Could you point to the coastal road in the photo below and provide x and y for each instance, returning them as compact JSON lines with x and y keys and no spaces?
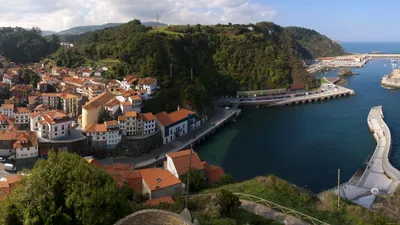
{"x":176,"y":145}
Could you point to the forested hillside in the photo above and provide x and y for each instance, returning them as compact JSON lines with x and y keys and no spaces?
{"x":224,"y":58}
{"x":314,"y":44}
{"x":23,"y":46}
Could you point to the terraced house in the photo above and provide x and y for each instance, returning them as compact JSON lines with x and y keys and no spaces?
{"x":23,"y":144}
{"x":103,"y":135}
{"x":176,"y":124}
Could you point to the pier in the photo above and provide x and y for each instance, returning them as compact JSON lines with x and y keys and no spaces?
{"x":378,"y":176}
{"x":288,"y":99}
{"x":392,"y":80}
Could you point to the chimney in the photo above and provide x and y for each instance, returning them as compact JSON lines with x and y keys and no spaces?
{"x":179,"y":107}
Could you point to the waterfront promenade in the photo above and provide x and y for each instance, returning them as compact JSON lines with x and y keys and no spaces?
{"x":330,"y":92}
{"x":157,"y":156}
{"x":379,"y":174}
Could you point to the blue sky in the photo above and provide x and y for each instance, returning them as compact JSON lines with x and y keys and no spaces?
{"x":344,"y":20}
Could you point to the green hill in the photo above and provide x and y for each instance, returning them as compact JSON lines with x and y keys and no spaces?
{"x":224,"y":58}
{"x":22,"y":46}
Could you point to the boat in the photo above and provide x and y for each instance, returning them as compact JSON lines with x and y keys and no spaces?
{"x":258,"y":106}
{"x":385,"y":65}
{"x":326,"y":72}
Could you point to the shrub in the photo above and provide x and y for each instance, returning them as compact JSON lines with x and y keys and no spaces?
{"x":228,"y":201}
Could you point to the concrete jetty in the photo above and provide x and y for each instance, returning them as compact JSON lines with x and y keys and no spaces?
{"x":379,"y":176}
{"x":392,"y":80}
{"x":333,"y":92}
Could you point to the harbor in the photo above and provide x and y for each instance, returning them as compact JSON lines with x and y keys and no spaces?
{"x":379,"y":176}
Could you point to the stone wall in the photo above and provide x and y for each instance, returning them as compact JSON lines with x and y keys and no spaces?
{"x":137,"y":147}
{"x":153,"y":217}
{"x":80,"y":147}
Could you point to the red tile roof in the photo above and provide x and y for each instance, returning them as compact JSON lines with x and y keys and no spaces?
{"x":156,"y":178}
{"x":147,"y":116}
{"x":167,"y":119}
{"x":181,"y":161}
{"x":212,"y":173}
{"x":157,"y":201}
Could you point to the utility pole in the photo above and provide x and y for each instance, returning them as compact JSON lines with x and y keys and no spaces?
{"x":170,"y":70}
{"x":338,"y":196}
{"x":188,"y":175}
{"x":158,"y":19}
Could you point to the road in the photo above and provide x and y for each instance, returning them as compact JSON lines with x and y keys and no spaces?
{"x":325,"y":91}
{"x":176,"y":145}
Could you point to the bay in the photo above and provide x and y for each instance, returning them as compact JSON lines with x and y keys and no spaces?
{"x":306,"y":144}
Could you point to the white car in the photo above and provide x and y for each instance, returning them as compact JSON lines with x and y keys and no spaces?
{"x":10,"y":167}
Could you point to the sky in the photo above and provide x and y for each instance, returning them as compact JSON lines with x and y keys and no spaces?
{"x":344,"y":20}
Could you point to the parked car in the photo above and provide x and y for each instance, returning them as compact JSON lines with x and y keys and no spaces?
{"x":10,"y":167}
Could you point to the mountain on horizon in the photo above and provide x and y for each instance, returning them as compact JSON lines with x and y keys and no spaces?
{"x":83,"y":29}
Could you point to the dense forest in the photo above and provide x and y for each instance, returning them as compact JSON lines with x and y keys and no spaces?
{"x":224,"y":58}
{"x":23,"y":46}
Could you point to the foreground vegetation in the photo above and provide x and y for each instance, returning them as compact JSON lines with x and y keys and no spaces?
{"x":224,"y":58}
{"x":279,"y":191}
{"x":65,"y":190}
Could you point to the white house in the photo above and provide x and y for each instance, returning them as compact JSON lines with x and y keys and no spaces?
{"x":54,"y":125}
{"x":133,"y":124}
{"x":149,"y":123}
{"x":26,"y":145}
{"x":129,"y":82}
{"x":8,"y":110}
{"x":21,"y":116}
{"x":5,"y":122}
{"x":176,"y":124}
{"x":177,"y":162}
{"x":23,"y":144}
{"x":148,"y":84}
{"x":106,"y":133}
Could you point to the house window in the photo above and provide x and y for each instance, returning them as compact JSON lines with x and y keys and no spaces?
{"x":55,"y":128}
{"x":62,"y":127}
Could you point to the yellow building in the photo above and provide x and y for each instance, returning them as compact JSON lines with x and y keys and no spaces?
{"x":93,"y":111}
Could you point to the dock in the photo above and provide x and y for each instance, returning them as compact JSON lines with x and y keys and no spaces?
{"x":288,"y":99}
{"x":392,"y":80}
{"x":378,"y":176}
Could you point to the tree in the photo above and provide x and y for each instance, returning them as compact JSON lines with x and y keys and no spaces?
{"x":65,"y":189}
{"x":197,"y":181}
{"x":226,"y":179}
{"x":228,"y":201}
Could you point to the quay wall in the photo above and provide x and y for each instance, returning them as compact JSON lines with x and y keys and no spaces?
{"x":387,"y":167}
{"x":386,"y":81}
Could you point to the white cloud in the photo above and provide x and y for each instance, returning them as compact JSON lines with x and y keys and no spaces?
{"x":63,"y":14}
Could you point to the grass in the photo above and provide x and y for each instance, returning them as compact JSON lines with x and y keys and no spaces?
{"x":107,"y":62}
{"x":164,"y":30}
{"x":302,"y":200}
{"x":324,"y":80}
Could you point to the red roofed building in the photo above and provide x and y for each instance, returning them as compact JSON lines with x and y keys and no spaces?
{"x":121,"y":173}
{"x":53,"y":125}
{"x":178,"y":162}
{"x":160,"y":183}
{"x":148,"y":84}
{"x":176,"y":124}
{"x":212,"y":173}
{"x":297,"y":87}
